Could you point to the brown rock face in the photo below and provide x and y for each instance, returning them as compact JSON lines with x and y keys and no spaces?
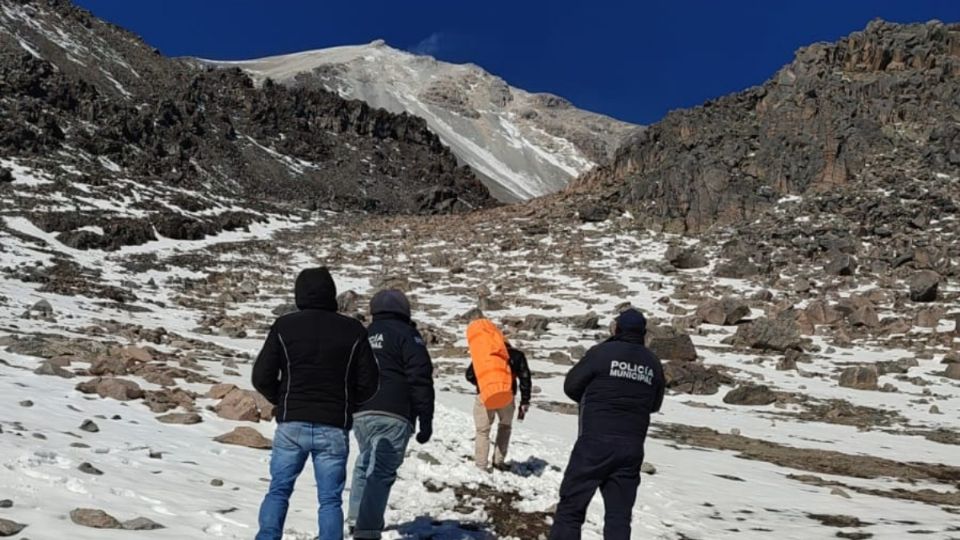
{"x":725,"y":312}
{"x":110,"y":387}
{"x":769,"y":334}
{"x":813,"y":127}
{"x":694,"y":378}
{"x":924,"y":286}
{"x":952,"y":371}
{"x":749,"y":394}
{"x":245,"y":436}
{"x":669,"y":344}
{"x":10,"y":528}
{"x":220,"y":390}
{"x":859,"y":377}
{"x":239,"y":405}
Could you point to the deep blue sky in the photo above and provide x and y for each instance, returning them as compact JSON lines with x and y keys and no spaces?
{"x":633,"y":60}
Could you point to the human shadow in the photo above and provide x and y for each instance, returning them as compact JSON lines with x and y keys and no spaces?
{"x":429,"y":528}
{"x":533,"y":466}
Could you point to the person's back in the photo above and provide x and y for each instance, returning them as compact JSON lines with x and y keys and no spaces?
{"x":383,"y":426}
{"x":520,"y":381}
{"x":617,"y":388}
{"x":316,"y":367}
{"x":618,"y":384}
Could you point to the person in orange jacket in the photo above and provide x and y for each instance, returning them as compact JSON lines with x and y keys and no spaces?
{"x":484,"y":418}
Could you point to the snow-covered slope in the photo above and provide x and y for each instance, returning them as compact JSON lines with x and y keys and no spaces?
{"x":524,"y":145}
{"x":199,"y":310}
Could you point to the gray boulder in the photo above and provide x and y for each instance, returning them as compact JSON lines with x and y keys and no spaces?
{"x":924,"y":286}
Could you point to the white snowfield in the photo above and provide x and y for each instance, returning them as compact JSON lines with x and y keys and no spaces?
{"x":523,"y":145}
{"x":695,"y":493}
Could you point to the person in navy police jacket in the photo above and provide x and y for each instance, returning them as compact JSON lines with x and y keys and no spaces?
{"x":617,"y":384}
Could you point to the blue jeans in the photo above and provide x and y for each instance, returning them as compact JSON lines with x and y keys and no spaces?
{"x":293,"y":442}
{"x":383,"y":445}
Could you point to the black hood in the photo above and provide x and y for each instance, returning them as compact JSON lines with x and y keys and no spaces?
{"x":315,"y":289}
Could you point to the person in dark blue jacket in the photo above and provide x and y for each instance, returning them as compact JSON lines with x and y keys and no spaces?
{"x":618,"y":384}
{"x":384,"y":425}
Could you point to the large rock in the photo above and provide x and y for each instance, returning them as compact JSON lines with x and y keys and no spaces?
{"x":685,"y":258}
{"x":694,"y":378}
{"x":348,"y":301}
{"x":111,"y":387}
{"x":768,"y":334}
{"x":952,"y":371}
{"x":750,"y":394}
{"x":245,"y":436}
{"x":239,"y":405}
{"x":97,"y":519}
{"x":10,"y":528}
{"x":180,"y":418}
{"x":141,"y":524}
{"x":536,"y":323}
{"x":737,"y":268}
{"x":860,"y":377}
{"x":819,"y":312}
{"x":841,"y":265}
{"x":136,"y":354}
{"x":110,"y":365}
{"x":50,"y":368}
{"x":924,"y":286}
{"x":864,"y":316}
{"x":669,"y":344}
{"x":593,"y":213}
{"x":220,"y":390}
{"x":725,"y":312}
{"x":588,"y":321}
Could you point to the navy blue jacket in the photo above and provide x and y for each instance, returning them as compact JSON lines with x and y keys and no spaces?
{"x":618,"y":384}
{"x":406,"y":372}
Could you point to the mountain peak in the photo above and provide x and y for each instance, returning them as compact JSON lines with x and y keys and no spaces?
{"x":523,"y":145}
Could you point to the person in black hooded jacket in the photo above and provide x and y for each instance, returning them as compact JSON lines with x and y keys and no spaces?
{"x":618,"y":385}
{"x":383,"y":426}
{"x":316,"y":367}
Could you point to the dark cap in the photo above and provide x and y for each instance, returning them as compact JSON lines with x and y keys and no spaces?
{"x":390,"y":301}
{"x":632,"y":321}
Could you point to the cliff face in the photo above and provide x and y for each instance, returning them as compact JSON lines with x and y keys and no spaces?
{"x":80,"y":95}
{"x":817,"y":124}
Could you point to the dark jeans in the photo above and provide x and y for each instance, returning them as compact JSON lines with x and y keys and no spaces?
{"x":611,"y":465}
{"x":383,"y":444}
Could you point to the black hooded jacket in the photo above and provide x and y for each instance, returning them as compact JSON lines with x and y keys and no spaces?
{"x":618,"y":384}
{"x":406,"y":372}
{"x":316,"y":365}
{"x":522,"y":379}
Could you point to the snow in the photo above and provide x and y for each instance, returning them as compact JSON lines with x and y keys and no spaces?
{"x":24,"y":175}
{"x":693,"y":494}
{"x":511,"y":149}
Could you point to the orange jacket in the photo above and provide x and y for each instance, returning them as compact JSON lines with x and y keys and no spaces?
{"x":491,"y":363}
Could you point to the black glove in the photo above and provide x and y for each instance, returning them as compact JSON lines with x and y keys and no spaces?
{"x":426,"y":431}
{"x":522,"y":411}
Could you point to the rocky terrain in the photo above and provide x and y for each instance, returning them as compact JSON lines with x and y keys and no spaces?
{"x":100,"y":117}
{"x":821,"y":421}
{"x":835,"y":118}
{"x":809,"y":331}
{"x":522,"y":144}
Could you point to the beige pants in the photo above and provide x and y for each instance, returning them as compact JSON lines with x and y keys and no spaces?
{"x":484,"y":420}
